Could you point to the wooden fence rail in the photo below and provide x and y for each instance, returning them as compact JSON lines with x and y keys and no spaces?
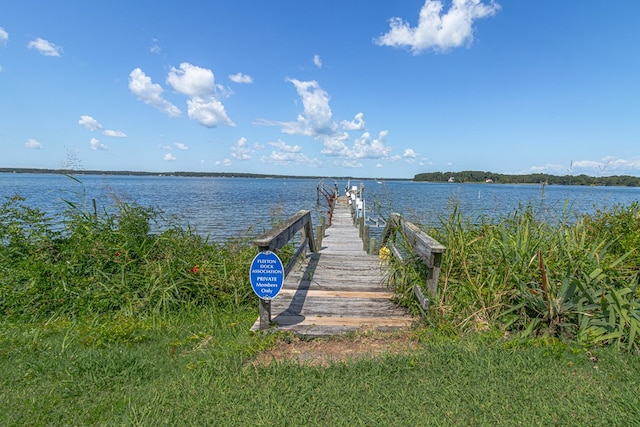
{"x":285,"y":232}
{"x":419,"y":243}
{"x":278,"y":237}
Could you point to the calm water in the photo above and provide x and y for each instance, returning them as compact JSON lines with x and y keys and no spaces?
{"x":224,"y":207}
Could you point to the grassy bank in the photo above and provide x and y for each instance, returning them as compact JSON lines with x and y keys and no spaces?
{"x":105,"y":323}
{"x":195,"y":369}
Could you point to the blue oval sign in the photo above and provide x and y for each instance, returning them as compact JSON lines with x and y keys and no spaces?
{"x":266,"y":275}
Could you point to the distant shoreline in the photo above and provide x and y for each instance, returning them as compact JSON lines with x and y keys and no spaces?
{"x":182,"y":173}
{"x":476,"y":177}
{"x":464,"y":177}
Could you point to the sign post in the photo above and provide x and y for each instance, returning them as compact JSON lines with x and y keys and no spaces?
{"x":267,"y":277}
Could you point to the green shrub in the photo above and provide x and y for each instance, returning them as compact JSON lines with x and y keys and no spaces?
{"x":107,"y":263}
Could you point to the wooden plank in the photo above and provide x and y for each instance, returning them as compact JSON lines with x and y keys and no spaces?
{"x":344,"y":321}
{"x":340,"y":293}
{"x":336,"y":306}
{"x":339,"y":289}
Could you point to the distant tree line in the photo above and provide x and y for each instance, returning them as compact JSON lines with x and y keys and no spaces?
{"x":143,"y":173}
{"x":535,"y":178}
{"x":177,"y":173}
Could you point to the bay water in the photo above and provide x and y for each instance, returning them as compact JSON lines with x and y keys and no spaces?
{"x":223,"y":207}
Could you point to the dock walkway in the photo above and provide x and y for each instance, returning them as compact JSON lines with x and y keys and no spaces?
{"x":338,"y":289}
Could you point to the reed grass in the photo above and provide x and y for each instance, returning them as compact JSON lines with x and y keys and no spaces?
{"x":518,"y":274}
{"x":111,"y":263}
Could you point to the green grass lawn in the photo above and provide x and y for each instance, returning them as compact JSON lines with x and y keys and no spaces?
{"x":195,"y":369}
{"x":153,"y":329}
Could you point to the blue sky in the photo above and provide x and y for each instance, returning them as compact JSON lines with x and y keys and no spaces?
{"x":364,"y":88}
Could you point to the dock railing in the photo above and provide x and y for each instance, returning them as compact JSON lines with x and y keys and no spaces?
{"x":285,"y":232}
{"x":404,"y":239}
{"x":330,"y":194}
{"x":276,"y":239}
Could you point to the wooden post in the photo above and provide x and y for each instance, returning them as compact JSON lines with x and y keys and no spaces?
{"x":319,"y":236}
{"x":308,"y":234}
{"x":365,"y":238}
{"x":373,"y":248}
{"x":432,"y":282}
{"x":265,"y":313}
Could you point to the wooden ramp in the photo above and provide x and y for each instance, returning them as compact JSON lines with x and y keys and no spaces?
{"x":337,"y":290}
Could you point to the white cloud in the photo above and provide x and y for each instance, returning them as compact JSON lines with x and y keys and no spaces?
{"x":241,"y":78}
{"x":317,"y":61}
{"x":409,"y":153}
{"x":45,"y":47}
{"x":438,"y":31}
{"x":34,"y":144}
{"x":356,"y":124}
{"x":155,"y":48}
{"x":92,"y":124}
{"x":225,"y":162}
{"x":336,"y":145}
{"x":115,"y":133}
{"x":607,"y":165}
{"x":284,"y":147}
{"x":315,"y":120}
{"x":97,"y":145}
{"x":89,"y":123}
{"x":367,"y":148}
{"x":289,"y":154}
{"x":4,"y":37}
{"x":169,"y":157}
{"x":288,"y":157}
{"x":199,"y":85}
{"x":209,"y":112}
{"x":240,"y":150}
{"x":349,"y":164}
{"x":150,"y":93}
{"x":191,"y":80}
{"x":181,"y":146}
{"x":612,"y":163}
{"x":425,"y":161}
{"x":586,"y":164}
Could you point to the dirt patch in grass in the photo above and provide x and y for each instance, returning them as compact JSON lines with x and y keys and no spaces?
{"x":325,"y":351}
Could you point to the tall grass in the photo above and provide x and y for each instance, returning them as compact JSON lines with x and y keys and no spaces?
{"x":111,"y":263}
{"x":518,"y":274}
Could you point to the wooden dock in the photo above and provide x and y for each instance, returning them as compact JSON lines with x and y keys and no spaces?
{"x":338,"y":289}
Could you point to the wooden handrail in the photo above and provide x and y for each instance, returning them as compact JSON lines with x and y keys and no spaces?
{"x":282,"y":233}
{"x":426,"y":247}
{"x":330,"y":195}
{"x":278,"y":237}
